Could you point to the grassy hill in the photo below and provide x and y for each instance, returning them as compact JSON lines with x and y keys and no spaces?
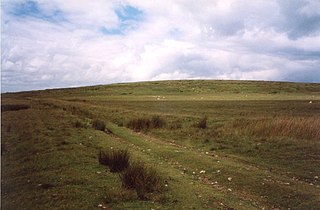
{"x":203,"y":144}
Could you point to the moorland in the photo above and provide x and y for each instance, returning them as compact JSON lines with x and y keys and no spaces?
{"x":189,"y":144}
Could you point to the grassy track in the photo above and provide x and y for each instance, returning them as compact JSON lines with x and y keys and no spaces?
{"x":260,"y":148}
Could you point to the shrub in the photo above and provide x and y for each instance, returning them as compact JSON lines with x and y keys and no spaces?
{"x":202,"y":123}
{"x":117,"y":160}
{"x":99,"y":125}
{"x":142,"y":179}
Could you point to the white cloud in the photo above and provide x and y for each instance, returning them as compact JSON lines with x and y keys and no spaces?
{"x":62,"y":43}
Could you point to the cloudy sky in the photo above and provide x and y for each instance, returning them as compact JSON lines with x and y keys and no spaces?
{"x":67,"y":43}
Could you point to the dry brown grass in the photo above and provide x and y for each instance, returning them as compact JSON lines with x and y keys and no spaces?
{"x":294,"y":127}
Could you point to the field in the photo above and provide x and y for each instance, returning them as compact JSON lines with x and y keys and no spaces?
{"x":204,"y":144}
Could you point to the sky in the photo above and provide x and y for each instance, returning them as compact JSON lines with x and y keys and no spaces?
{"x":70,"y":43}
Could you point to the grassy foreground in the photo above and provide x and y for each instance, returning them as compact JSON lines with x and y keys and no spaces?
{"x":214,"y":144}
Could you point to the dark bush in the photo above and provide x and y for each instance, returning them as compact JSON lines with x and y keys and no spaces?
{"x":98,"y":125}
{"x":202,"y":123}
{"x":142,"y":179}
{"x":116,"y":160}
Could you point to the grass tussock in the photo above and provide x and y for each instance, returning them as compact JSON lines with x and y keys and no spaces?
{"x":139,"y":124}
{"x":116,"y":160}
{"x":142,"y":179}
{"x":202,"y":123}
{"x":99,"y":124}
{"x":294,"y":127}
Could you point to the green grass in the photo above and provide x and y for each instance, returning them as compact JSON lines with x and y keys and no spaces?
{"x":259,"y":148}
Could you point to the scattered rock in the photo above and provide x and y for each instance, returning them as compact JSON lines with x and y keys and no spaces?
{"x":102,"y":206}
{"x":229,"y":179}
{"x":202,"y":172}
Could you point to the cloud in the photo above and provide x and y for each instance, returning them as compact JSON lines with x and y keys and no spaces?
{"x":59,"y":43}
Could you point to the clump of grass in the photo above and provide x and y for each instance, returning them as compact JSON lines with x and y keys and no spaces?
{"x":139,"y":124}
{"x":175,"y":125}
{"x":99,"y":125}
{"x":142,"y":179}
{"x":295,"y":127}
{"x":79,"y":124}
{"x":202,"y":123}
{"x":158,"y":122}
{"x":116,"y":160}
{"x":13,"y":107}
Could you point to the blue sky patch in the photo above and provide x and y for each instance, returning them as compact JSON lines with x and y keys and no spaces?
{"x":129,"y":17}
{"x":129,"y":13}
{"x":112,"y":31}
{"x":32,"y":9}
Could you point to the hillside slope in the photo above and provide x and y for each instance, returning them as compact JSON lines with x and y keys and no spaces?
{"x":216,"y":145}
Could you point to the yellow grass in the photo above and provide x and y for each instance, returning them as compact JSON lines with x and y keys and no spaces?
{"x":294,"y":127}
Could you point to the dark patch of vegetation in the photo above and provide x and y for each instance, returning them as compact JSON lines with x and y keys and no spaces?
{"x":116,"y":160}
{"x":202,"y":123}
{"x":46,"y":186}
{"x":13,"y":107}
{"x":99,"y":125}
{"x":157,"y":122}
{"x":142,"y":179}
{"x":3,"y":148}
{"x":9,"y":128}
{"x":139,"y":124}
{"x":79,"y":124}
{"x":146,"y":123}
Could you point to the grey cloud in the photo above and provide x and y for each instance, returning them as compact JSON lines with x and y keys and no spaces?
{"x":296,"y":23}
